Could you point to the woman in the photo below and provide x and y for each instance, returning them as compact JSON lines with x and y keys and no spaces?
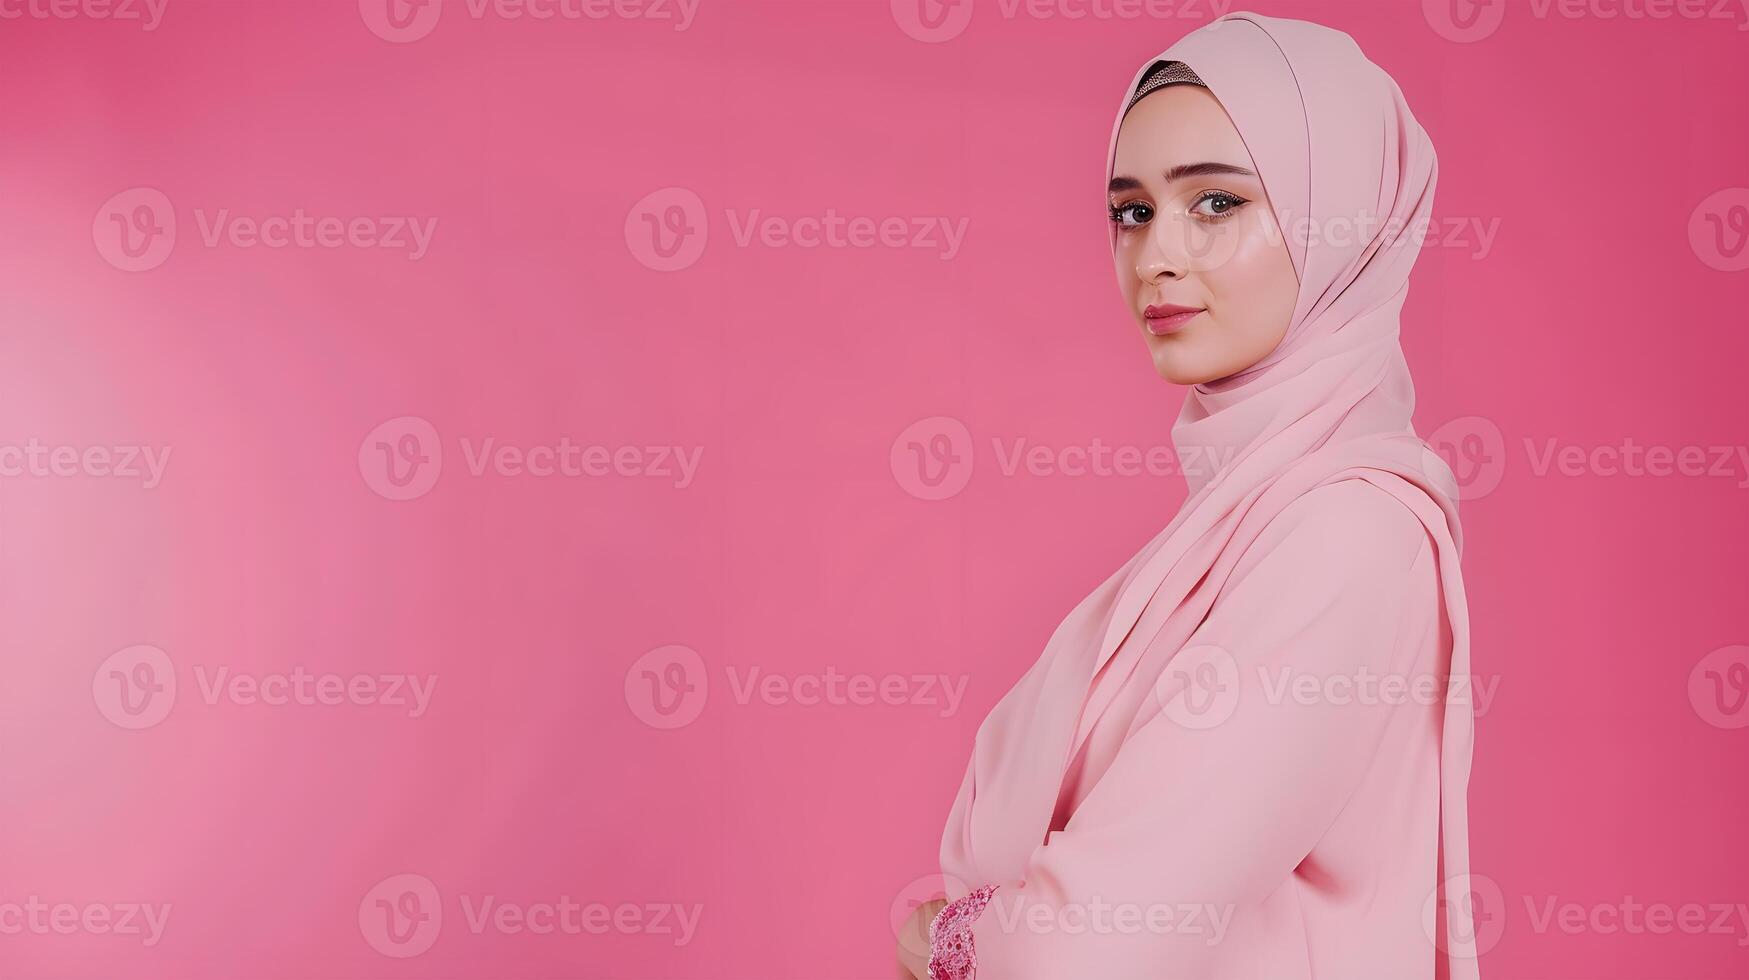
{"x":1197,"y":779}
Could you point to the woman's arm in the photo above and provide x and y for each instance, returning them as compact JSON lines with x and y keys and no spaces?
{"x":1214,"y":817}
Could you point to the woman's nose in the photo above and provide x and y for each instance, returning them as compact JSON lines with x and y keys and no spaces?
{"x":1163,"y":256}
{"x":1153,"y":266}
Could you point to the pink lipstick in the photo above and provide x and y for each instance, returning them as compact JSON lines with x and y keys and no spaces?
{"x":1168,"y":318}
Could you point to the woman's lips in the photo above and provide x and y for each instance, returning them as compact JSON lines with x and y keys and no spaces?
{"x":1166,"y":319}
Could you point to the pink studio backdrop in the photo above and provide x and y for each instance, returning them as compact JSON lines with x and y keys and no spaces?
{"x":474,"y":503}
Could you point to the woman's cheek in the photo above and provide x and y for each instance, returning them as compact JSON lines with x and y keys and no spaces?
{"x":1252,"y":286}
{"x":1246,"y":248}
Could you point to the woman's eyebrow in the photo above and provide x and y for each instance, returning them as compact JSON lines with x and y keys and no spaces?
{"x":1183,"y":170}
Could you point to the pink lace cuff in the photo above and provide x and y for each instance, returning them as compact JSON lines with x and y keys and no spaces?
{"x":952,"y":953}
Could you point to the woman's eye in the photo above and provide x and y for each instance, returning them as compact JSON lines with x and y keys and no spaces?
{"x":1216,"y":205}
{"x":1132,"y":215}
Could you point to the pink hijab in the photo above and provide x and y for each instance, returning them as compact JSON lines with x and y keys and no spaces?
{"x":1334,"y":141}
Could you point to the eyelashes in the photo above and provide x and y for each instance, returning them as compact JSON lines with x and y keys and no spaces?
{"x":1230,"y":202}
{"x":1125,"y":215}
{"x":1209,"y":207}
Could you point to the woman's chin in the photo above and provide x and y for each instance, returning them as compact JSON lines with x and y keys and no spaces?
{"x":1187,"y":358}
{"x":1174,"y":366}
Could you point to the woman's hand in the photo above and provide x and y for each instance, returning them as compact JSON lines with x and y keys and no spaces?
{"x":914,"y":940}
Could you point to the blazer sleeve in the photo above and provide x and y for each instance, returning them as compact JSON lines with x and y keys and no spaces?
{"x":1216,"y":799}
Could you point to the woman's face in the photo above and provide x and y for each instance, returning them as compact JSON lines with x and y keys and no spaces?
{"x":1201,"y":261}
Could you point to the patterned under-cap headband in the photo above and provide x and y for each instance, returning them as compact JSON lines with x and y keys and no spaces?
{"x":1163,"y":74}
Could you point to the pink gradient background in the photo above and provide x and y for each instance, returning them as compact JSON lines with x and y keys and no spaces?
{"x":1591,"y":320}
